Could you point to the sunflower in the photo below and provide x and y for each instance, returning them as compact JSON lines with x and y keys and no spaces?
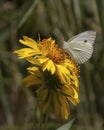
{"x":54,"y":71}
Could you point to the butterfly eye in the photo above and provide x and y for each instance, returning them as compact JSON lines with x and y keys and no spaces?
{"x":85,"y":41}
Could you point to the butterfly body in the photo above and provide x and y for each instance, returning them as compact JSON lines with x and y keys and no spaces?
{"x":80,"y":47}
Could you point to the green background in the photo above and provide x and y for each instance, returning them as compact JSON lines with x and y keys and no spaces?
{"x":44,"y":17}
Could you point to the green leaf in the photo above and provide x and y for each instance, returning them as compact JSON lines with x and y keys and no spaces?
{"x":28,"y":13}
{"x":66,"y":126}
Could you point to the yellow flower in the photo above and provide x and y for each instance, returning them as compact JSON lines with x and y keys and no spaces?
{"x":55,"y":73}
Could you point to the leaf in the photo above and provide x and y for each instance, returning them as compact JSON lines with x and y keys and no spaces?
{"x":28,"y":13}
{"x":66,"y":126}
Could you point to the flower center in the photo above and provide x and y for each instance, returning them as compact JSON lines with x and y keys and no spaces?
{"x":51,"y":50}
{"x":56,"y":54}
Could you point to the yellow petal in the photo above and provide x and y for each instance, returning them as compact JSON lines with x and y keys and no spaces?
{"x":74,"y":101}
{"x":50,"y":66}
{"x":42,"y":60}
{"x":34,"y":70}
{"x":33,"y":61}
{"x":26,"y":52}
{"x":64,"y":107}
{"x":63,"y":69}
{"x":72,"y":92}
{"x":63,"y":73}
{"x":46,"y":105}
{"x":29,"y":42}
{"x":56,"y":105}
{"x":31,"y":80}
{"x":75,"y":80}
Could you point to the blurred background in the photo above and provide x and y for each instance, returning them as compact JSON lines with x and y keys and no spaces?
{"x":33,"y":17}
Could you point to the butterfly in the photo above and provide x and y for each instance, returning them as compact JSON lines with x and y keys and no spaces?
{"x":80,"y":47}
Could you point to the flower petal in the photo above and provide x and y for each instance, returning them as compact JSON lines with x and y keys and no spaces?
{"x":65,"y":107}
{"x":35,"y":71}
{"x":74,"y":98}
{"x":29,"y":42}
{"x":46,"y":104}
{"x":42,"y":59}
{"x":63,"y":73}
{"x":50,"y":66}
{"x":31,"y":80}
{"x":26,"y":52}
{"x":56,"y":105}
{"x":33,"y":61}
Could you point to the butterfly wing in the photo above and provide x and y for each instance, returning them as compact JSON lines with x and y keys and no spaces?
{"x":80,"y":47}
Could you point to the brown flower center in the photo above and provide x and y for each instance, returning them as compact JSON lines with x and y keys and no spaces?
{"x":52,"y":51}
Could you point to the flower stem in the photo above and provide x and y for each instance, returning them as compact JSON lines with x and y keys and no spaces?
{"x":35,"y":119}
{"x":40,"y":99}
{"x":46,"y":120}
{"x":41,"y":120}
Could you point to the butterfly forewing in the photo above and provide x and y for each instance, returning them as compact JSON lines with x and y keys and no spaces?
{"x":88,"y":36}
{"x":80,"y":47}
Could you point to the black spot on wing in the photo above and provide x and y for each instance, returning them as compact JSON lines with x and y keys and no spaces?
{"x":85,"y":41}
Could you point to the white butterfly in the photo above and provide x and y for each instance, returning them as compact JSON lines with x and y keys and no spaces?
{"x":80,"y":47}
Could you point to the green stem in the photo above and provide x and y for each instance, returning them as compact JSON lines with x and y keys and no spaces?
{"x":41,"y":119}
{"x":40,"y":100}
{"x":46,"y":120}
{"x":35,"y":119}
